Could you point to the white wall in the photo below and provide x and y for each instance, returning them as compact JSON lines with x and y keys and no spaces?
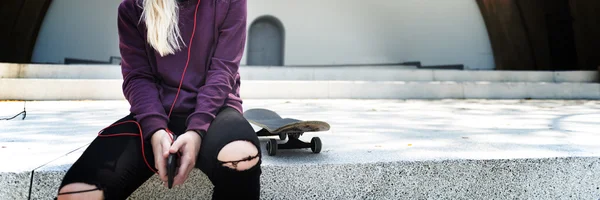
{"x":85,"y":29}
{"x":380,"y":31}
{"x":317,"y":32}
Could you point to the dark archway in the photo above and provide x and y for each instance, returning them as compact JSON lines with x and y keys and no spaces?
{"x":266,"y":42}
{"x":543,"y":35}
{"x":20,"y":21}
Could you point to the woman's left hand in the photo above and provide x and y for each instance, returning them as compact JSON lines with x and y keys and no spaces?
{"x":188,"y":144}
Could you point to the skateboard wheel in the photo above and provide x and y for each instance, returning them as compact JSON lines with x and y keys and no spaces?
{"x":282,"y":136}
{"x":272,"y":147}
{"x":315,"y":145}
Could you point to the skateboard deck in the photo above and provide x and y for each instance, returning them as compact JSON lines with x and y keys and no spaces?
{"x":273,"y":124}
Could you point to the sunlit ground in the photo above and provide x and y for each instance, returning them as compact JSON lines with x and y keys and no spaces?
{"x":361,"y":130}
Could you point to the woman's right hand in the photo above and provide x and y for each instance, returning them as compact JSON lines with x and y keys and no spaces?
{"x":161,"y":142}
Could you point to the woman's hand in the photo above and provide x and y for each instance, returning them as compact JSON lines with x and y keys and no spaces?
{"x":161,"y":142}
{"x":188,"y":144}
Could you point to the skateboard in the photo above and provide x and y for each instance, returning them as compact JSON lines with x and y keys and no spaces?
{"x":274,"y":125}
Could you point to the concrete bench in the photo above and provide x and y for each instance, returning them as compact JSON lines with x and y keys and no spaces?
{"x":376,"y":149}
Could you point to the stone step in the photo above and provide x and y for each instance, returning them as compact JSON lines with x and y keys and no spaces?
{"x":110,"y":89}
{"x":339,"y":73}
{"x":397,"y":73}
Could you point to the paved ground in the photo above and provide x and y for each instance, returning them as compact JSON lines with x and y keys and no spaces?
{"x":363,"y":131}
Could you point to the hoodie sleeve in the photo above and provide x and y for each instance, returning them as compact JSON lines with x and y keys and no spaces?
{"x":225,"y":63}
{"x":139,"y":83}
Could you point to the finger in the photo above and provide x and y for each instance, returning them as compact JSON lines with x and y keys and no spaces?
{"x":184,"y":169}
{"x":182,"y":175}
{"x":177,"y":145}
{"x":166,"y":144}
{"x":161,"y":166}
{"x":163,"y":160}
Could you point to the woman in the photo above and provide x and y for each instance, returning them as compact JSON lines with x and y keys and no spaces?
{"x":187,"y":87}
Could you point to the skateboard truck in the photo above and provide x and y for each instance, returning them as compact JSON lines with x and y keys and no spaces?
{"x":294,"y":142}
{"x":172,"y":161}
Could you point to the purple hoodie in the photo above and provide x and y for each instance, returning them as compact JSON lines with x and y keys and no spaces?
{"x":211,"y":80}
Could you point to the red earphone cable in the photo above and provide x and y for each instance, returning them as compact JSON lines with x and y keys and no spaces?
{"x":188,"y":59}
{"x":172,"y":105}
{"x":129,"y":134}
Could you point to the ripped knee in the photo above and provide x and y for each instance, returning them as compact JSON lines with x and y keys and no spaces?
{"x":239,"y":155}
{"x":80,"y":191}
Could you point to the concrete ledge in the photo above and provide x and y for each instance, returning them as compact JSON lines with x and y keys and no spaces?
{"x":376,"y":149}
{"x":101,"y":89}
{"x":47,"y":71}
{"x":550,"y":178}
{"x":14,"y":185}
{"x":306,"y":73}
{"x":542,"y":90}
{"x":61,"y":89}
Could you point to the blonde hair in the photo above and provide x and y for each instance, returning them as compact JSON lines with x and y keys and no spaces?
{"x":162,"y":21}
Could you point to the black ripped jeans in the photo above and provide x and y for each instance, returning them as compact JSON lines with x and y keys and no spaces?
{"x":115,"y":164}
